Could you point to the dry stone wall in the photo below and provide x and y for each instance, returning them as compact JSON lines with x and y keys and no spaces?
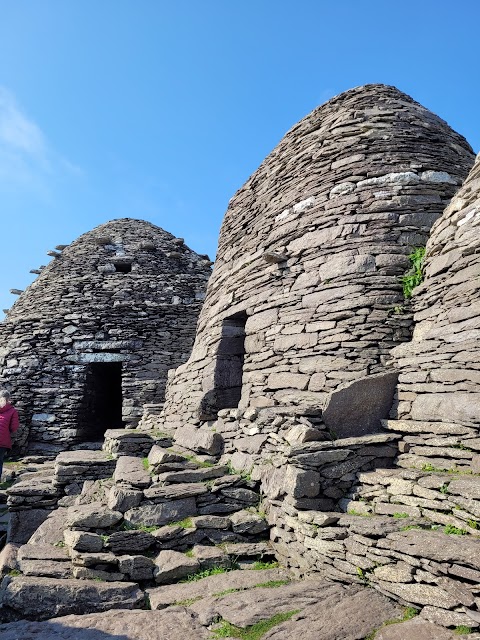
{"x":305,"y":289}
{"x":440,"y":368}
{"x":106,"y":318}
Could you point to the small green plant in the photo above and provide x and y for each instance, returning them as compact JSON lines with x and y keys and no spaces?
{"x":253,"y":632}
{"x":206,"y":573}
{"x":6,"y":484}
{"x":363,"y":575}
{"x":273,"y":584}
{"x":145,"y":464}
{"x":473,"y":524}
{"x":444,"y":488}
{"x":187,"y":523}
{"x":462,"y":630}
{"x":450,"y":529}
{"x":246,"y":475}
{"x":259,"y":565}
{"x":189,"y":553}
{"x":414,"y":275}
{"x":14,"y":572}
{"x":409,"y":613}
{"x":400,"y":515}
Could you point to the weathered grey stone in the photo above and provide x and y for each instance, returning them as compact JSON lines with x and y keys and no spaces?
{"x":357,"y":407}
{"x":92,"y":516}
{"x":8,"y":558}
{"x":43,"y":598}
{"x":136,"y":567}
{"x":130,"y":470}
{"x":209,"y":557}
{"x":300,"y":483}
{"x":194,"y":475}
{"x":174,"y":624}
{"x":201,"y":440}
{"x":130,"y":541}
{"x":82,"y":541}
{"x":160,"y":493}
{"x":418,"y":629}
{"x":167,"y":595}
{"x":158,"y":455}
{"x":123,"y":498}
{"x":171,"y":566}
{"x":421,"y":594}
{"x":246,"y":522}
{"x":20,"y":529}
{"x":160,"y":514}
{"x":211,"y":522}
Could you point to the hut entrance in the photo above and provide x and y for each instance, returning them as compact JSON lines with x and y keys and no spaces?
{"x":228,"y":373}
{"x":103,"y":399}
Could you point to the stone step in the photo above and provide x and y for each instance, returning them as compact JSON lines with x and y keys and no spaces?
{"x":409,"y":559}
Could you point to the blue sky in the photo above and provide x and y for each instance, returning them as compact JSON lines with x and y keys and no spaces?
{"x":161,"y":110}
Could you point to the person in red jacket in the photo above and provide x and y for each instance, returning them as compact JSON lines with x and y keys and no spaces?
{"x":8,"y":425}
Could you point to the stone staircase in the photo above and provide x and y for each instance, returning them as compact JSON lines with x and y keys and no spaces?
{"x":125,"y":525}
{"x":412,"y":531}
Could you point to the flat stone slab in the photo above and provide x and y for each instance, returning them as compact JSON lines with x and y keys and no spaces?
{"x":357,"y":407}
{"x":416,"y":629}
{"x":194,"y":475}
{"x":159,"y":514}
{"x":347,"y":614}
{"x":435,"y":545}
{"x":83,"y":457}
{"x":174,"y":492}
{"x":94,"y":515}
{"x":326,"y":600}
{"x":174,"y":624}
{"x":130,"y":470}
{"x":43,"y":598}
{"x":162,"y":597}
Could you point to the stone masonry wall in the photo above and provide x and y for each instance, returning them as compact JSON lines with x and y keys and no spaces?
{"x":305,"y":288}
{"x":440,"y":369}
{"x":126,"y":292}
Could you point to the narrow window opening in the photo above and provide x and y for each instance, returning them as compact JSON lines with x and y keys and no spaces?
{"x":102,"y":400}
{"x":122,"y":267}
{"x":228,"y":371}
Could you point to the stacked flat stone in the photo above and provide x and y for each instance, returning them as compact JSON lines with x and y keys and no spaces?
{"x":126,"y":292}
{"x":439,"y":384}
{"x":311,"y":252}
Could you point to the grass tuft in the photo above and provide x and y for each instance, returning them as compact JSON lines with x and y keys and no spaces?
{"x":259,"y":565}
{"x":462,"y":630}
{"x":414,"y":275}
{"x":253,"y":632}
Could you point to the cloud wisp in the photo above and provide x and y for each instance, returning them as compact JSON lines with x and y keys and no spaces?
{"x":27,"y":160}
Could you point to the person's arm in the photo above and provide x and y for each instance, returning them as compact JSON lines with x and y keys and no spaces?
{"x":14,"y":422}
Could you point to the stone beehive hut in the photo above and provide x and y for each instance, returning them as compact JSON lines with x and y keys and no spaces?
{"x":306,"y":287}
{"x":91,"y":340}
{"x":440,"y":368}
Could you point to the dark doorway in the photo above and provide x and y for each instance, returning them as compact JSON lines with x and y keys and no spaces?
{"x":228,"y":371}
{"x":103,"y":399}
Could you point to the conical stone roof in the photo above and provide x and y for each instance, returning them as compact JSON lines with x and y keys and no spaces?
{"x":311,"y":252}
{"x":126,"y":292}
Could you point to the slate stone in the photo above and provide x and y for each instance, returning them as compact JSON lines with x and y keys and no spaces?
{"x":42,"y":598}
{"x":130,"y":541}
{"x":358,"y":407}
{"x":92,"y":516}
{"x":167,"y":595}
{"x":171,"y":566}
{"x":199,"y":439}
{"x":174,"y":624}
{"x":160,"y":514}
